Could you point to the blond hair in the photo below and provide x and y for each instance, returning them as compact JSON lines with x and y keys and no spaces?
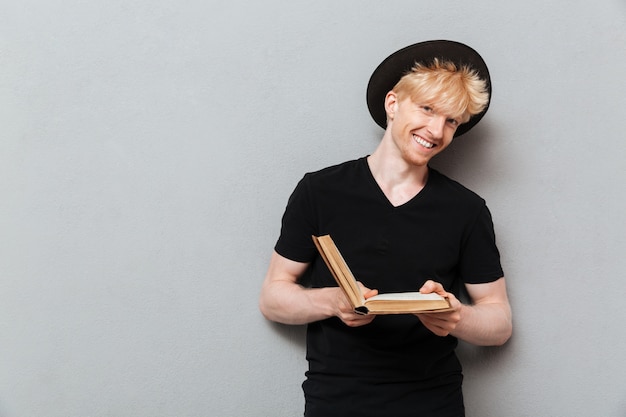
{"x":456,"y":91}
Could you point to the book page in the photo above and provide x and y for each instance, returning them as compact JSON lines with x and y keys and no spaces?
{"x":339,"y":269}
{"x":406,"y":296}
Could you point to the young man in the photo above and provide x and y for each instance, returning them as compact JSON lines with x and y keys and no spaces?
{"x":401,"y":226}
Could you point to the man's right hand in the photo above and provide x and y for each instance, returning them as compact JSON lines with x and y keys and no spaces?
{"x":346,"y":313}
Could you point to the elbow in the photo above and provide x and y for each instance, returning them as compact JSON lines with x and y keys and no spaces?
{"x":264,"y":308}
{"x":264,"y":302}
{"x":269,"y":307}
{"x":502,"y":341}
{"x":498,"y":335}
{"x":506,"y":329}
{"x":506,"y":334}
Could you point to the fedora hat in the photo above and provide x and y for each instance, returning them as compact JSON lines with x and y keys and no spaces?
{"x":396,"y":65}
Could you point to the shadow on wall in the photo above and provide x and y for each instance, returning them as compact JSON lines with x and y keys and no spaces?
{"x":294,"y":335}
{"x":468,"y":155}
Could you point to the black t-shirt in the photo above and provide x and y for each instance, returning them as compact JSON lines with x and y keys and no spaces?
{"x":444,"y":233}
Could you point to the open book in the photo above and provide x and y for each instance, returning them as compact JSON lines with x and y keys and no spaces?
{"x":391,"y":303}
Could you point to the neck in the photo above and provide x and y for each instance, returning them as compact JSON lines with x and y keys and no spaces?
{"x":398,"y":179}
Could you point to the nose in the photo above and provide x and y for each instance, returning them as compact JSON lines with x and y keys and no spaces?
{"x":436,"y":125}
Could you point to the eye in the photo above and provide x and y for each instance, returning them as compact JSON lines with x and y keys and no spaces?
{"x":453,"y":122}
{"x":428,"y":109}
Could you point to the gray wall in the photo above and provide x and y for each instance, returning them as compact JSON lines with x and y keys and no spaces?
{"x":147,"y":150}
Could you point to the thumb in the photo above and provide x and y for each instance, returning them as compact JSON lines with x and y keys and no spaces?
{"x":370,"y":293}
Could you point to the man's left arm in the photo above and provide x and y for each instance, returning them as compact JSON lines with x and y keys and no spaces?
{"x":486,"y":321}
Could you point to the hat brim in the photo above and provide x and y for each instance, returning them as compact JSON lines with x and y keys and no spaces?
{"x":396,"y":65}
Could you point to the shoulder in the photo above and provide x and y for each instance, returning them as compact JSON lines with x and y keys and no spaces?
{"x":446,"y":187}
{"x":330,"y":181}
{"x":337,"y":170}
{"x":337,"y":175}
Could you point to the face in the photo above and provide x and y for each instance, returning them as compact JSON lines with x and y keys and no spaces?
{"x":418,"y":130}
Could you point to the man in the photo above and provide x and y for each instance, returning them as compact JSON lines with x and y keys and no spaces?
{"x":401,"y":226}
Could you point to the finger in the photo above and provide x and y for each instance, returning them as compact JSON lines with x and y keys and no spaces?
{"x":440,"y":329}
{"x":367,"y":292}
{"x":355,"y":320}
{"x":443,"y":321}
{"x":431,"y":286}
{"x":370,"y":293}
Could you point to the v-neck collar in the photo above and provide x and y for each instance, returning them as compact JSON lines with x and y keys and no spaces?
{"x":382,"y":194}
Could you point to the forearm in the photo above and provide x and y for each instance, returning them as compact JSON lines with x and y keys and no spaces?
{"x":289,"y":303}
{"x":488,"y":324}
{"x":285,"y":301}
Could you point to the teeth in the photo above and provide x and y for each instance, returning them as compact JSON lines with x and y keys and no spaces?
{"x":422,"y":142}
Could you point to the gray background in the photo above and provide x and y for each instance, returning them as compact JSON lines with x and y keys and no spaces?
{"x":147,"y":150}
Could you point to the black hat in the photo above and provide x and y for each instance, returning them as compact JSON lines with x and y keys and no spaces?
{"x":396,"y":65}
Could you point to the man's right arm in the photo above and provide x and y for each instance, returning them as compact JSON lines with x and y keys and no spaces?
{"x":284,"y":300}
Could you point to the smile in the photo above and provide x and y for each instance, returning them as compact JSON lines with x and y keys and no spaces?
{"x":423,"y":142}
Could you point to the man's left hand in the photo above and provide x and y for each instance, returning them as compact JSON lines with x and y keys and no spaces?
{"x":442,"y":323}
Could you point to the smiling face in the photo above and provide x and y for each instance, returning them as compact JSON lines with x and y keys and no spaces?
{"x":419,"y":131}
{"x":455,"y":90}
{"x":427,"y":105}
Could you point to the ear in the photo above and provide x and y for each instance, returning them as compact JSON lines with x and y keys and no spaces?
{"x":391,"y":105}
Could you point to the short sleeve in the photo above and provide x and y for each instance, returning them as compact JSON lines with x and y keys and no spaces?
{"x":480,"y":259}
{"x":298,"y":225}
